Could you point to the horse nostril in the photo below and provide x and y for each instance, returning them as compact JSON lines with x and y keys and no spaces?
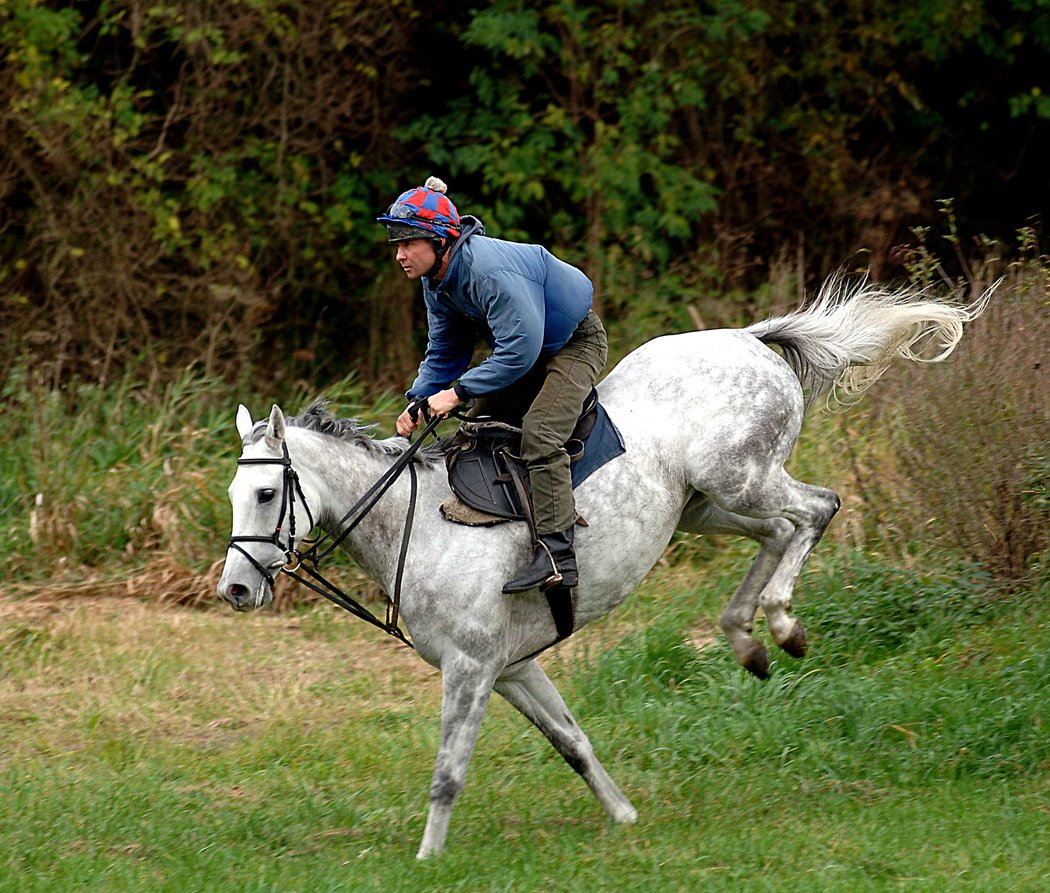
{"x":237,"y":592}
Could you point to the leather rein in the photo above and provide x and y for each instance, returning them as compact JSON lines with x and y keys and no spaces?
{"x":308,"y":561}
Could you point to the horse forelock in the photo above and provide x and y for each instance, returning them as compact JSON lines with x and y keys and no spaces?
{"x":317,"y":417}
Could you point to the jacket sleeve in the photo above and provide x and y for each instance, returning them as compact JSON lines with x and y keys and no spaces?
{"x":514,"y":313}
{"x":450,"y":348}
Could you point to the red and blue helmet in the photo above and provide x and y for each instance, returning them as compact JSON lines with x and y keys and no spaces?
{"x":423,"y":208}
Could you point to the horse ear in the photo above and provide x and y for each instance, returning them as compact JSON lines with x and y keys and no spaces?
{"x":275,"y":427}
{"x":244,"y":421}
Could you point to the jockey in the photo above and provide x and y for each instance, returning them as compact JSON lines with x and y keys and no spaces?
{"x":548,"y":348}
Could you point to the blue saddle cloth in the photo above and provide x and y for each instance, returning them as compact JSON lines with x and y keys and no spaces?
{"x":602,"y":445}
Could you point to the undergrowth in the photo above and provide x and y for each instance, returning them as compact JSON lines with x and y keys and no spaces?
{"x":122,"y":488}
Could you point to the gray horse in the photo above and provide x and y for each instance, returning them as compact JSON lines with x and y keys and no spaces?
{"x":708,"y":419}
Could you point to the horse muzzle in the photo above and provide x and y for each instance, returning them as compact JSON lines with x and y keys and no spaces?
{"x":242,"y":598}
{"x":242,"y":589}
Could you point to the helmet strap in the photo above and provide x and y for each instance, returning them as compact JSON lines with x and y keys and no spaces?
{"x":440,"y":248}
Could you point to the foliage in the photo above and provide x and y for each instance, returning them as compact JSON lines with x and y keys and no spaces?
{"x":190,"y":179}
{"x":709,"y":142}
{"x":197,"y":181}
{"x":578,"y":135}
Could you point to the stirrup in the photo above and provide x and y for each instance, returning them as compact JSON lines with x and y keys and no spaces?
{"x":542,"y":573}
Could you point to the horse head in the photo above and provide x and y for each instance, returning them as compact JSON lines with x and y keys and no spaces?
{"x":270,"y":514}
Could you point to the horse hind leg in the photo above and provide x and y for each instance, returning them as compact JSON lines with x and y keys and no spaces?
{"x":738,"y":618}
{"x":527,"y":688}
{"x":810,"y":509}
{"x":807,"y":510}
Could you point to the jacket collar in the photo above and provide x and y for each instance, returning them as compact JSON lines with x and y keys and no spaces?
{"x":469,"y":226}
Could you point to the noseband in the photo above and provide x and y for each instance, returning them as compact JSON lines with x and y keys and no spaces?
{"x":309,"y":560}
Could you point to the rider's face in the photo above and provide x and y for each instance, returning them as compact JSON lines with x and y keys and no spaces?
{"x":416,"y":257}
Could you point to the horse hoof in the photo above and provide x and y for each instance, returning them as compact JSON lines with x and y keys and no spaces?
{"x":627,"y":817}
{"x":796,"y":642}
{"x":756,"y":661}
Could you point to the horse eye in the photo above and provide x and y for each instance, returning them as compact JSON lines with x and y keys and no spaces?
{"x":266,"y":496}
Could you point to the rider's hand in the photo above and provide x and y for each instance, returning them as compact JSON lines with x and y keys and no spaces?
{"x":443,"y":402}
{"x":406,"y":424}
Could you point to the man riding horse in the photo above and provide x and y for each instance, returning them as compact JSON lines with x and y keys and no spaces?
{"x":548,"y":348}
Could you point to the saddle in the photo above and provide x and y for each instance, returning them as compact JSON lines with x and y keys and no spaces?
{"x":489,"y":480}
{"x":490,"y":483}
{"x":487,"y":477}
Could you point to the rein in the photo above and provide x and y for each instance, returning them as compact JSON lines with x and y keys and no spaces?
{"x":309,"y":561}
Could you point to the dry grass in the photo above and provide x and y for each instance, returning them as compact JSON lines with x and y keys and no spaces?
{"x":144,"y":657}
{"x":972,"y":449}
{"x":77,"y":668}
{"x":169,"y":581}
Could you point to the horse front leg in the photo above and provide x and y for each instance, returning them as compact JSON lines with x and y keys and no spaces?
{"x":466,"y":685}
{"x":528,"y":689}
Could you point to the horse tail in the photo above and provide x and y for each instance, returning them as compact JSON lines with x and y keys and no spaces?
{"x":847,"y":338}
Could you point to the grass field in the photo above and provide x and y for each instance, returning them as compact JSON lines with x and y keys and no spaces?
{"x":145,"y":747}
{"x":163,"y":743}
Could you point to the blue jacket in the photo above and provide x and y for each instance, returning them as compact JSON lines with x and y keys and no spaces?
{"x":520,"y":298}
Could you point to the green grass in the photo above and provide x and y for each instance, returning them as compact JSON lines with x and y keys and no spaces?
{"x":161,"y":749}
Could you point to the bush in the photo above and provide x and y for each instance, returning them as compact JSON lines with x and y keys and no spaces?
{"x":972,"y":449}
{"x":182,"y":182}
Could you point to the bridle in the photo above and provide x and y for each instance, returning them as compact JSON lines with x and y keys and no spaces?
{"x":297,"y":560}
{"x":290,"y":487}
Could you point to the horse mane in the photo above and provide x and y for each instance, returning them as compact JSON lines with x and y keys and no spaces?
{"x":317,"y":417}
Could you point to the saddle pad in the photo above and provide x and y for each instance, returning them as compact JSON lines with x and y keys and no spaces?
{"x":455,"y":509}
{"x":602,"y":445}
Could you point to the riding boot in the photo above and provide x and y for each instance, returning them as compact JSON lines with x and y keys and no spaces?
{"x":554,"y":564}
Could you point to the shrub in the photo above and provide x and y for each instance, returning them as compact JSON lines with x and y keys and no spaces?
{"x":182,"y":182}
{"x":972,"y":453}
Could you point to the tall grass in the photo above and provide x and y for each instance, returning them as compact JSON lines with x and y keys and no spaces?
{"x":109,"y":487}
{"x":121,"y":487}
{"x":971,"y":456}
{"x":911,"y":681}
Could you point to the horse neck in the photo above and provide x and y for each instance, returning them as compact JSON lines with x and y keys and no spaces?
{"x":338,"y":473}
